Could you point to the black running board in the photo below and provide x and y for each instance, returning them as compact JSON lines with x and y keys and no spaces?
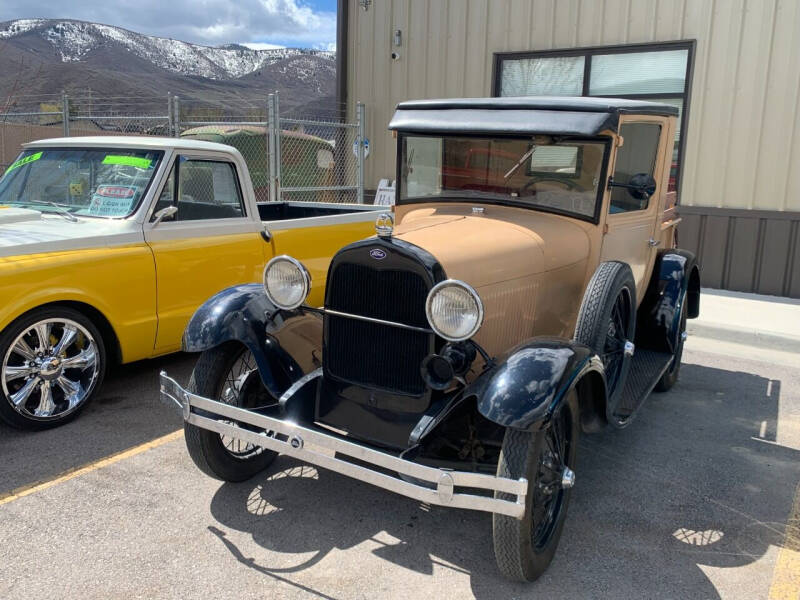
{"x":647,"y":367}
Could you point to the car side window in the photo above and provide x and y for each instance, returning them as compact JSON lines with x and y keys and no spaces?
{"x":167,"y":197}
{"x":637,"y":156}
{"x":208,"y":189}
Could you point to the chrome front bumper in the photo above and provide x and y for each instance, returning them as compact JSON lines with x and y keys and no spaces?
{"x":310,"y":446}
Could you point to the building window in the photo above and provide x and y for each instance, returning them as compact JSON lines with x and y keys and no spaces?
{"x":655,"y":72}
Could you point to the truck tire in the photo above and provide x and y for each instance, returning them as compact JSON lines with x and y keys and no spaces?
{"x":523,"y":548}
{"x":669,"y":378}
{"x":52,"y":362}
{"x":607,"y":319}
{"x":214,"y":455}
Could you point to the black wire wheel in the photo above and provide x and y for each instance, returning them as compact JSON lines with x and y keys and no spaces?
{"x":52,"y":362}
{"x":669,"y":378}
{"x":227,"y":373}
{"x":524,"y":548}
{"x":607,"y":323}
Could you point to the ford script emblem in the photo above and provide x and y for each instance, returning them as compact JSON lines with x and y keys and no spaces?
{"x":377,"y":254}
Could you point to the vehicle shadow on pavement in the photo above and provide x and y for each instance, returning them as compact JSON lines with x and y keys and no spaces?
{"x":125,"y":413}
{"x":697,"y":481}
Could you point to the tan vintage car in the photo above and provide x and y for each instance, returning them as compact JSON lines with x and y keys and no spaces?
{"x":527,"y":290}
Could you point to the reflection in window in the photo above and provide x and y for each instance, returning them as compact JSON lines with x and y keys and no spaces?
{"x":565,"y":178}
{"x":638,"y":73}
{"x":558,"y":76}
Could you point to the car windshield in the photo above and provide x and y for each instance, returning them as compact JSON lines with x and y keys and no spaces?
{"x":80,"y":181}
{"x":559,"y":174}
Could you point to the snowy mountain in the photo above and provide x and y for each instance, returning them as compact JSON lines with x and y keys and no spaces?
{"x":45,"y":56}
{"x":75,"y":41}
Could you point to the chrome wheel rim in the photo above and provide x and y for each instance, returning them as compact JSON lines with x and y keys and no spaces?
{"x":50,"y":369}
{"x":231,"y":393}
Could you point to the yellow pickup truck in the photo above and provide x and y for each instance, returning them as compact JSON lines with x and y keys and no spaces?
{"x":109,"y":244}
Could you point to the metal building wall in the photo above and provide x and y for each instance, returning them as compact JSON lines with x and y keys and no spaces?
{"x":743,"y":135}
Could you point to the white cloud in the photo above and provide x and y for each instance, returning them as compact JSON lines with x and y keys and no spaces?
{"x":213,"y":22}
{"x":263,"y":46}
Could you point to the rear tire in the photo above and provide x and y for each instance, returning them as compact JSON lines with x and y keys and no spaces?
{"x":206,"y":447}
{"x":670,"y":378}
{"x":524,"y":548}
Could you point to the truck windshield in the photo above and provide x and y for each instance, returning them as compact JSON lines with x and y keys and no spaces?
{"x":82,"y":181}
{"x":551,"y":173}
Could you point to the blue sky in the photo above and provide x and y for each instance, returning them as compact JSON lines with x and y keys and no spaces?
{"x":260,"y":23}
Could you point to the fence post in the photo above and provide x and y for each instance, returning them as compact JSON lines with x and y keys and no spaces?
{"x":274,"y":193}
{"x":170,"y":116}
{"x":278,"y":149}
{"x":360,"y":114}
{"x":176,"y":120}
{"x":65,"y":113}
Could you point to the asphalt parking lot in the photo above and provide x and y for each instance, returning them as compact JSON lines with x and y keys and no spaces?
{"x":692,"y":500}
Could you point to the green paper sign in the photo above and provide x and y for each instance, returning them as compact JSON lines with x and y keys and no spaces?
{"x":129,"y":161}
{"x":24,"y":161}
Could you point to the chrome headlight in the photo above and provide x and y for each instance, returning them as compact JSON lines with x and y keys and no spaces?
{"x":286,"y":282}
{"x":454,"y":310}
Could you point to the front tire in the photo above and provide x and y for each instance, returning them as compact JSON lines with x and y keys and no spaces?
{"x":220,"y":374}
{"x":52,"y":362}
{"x":524,"y":548}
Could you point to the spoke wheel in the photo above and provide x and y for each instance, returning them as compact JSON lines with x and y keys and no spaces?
{"x":607,"y":325}
{"x":227,"y":373}
{"x":51,"y":365}
{"x":236,"y":391}
{"x":525,"y":547}
{"x":617,"y":334}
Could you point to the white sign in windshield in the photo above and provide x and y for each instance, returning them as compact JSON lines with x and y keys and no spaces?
{"x":112,"y":200}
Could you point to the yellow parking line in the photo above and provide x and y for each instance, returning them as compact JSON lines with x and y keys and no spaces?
{"x":92,"y":466}
{"x":786,"y":577}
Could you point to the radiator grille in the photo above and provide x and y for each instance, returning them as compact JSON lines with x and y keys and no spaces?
{"x":371,"y":354}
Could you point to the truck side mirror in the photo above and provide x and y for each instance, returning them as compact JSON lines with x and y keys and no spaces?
{"x":166,"y":213}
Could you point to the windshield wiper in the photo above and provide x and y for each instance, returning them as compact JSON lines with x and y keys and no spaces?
{"x":60,"y":210}
{"x":521,"y":160}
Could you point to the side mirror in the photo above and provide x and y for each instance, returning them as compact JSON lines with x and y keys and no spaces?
{"x":640,"y":186}
{"x":165,"y":213}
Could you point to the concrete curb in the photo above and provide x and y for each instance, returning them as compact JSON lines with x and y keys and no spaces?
{"x":748,"y":337}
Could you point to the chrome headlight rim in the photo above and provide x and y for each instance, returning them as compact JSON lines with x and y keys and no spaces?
{"x":475,"y":297}
{"x":303,"y":271}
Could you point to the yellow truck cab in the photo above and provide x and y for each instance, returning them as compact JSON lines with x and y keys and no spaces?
{"x":109,"y":244}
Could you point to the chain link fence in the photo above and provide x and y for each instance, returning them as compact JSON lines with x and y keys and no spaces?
{"x":291,"y":157}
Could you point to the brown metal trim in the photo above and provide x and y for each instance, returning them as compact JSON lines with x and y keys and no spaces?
{"x":745,"y":250}
{"x":740,"y":212}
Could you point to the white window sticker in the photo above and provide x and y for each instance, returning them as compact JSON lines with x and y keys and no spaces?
{"x":112,"y":200}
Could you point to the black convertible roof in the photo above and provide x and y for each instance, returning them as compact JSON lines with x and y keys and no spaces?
{"x":527,"y":115}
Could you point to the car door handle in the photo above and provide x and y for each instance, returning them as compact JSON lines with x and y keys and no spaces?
{"x":653,"y":242}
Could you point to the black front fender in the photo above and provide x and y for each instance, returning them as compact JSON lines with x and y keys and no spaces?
{"x":532,"y":380}
{"x":283,"y":343}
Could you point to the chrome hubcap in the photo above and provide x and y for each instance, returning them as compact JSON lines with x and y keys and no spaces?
{"x":50,"y":369}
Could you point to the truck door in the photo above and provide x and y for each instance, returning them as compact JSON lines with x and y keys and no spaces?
{"x":631,"y":223}
{"x":209,"y":244}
